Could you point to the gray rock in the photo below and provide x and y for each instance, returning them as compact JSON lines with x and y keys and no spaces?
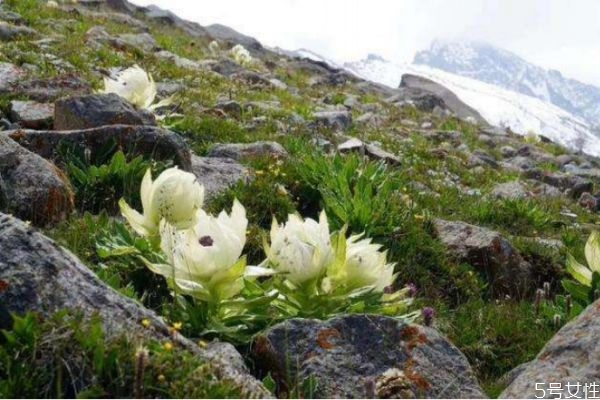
{"x":520,"y":163}
{"x":32,"y":115}
{"x":148,"y":141}
{"x":10,"y":16}
{"x":142,"y":41}
{"x":90,"y":111}
{"x":226,"y":67}
{"x":510,"y":190}
{"x":181,"y":62}
{"x":30,"y":187}
{"x":370,"y":150}
{"x":10,"y":32}
{"x":336,"y":120}
{"x":441,"y":95}
{"x":49,"y":90}
{"x":46,"y":278}
{"x":223,"y":32}
{"x":239,"y":151}
{"x":575,"y":185}
{"x":263,"y":106}
{"x":572,"y":355}
{"x":586,"y":200}
{"x":365,"y":356}
{"x":218,"y":174}
{"x":489,"y":252}
{"x":230,"y":107}
{"x":508,"y":151}
{"x":166,"y":89}
{"x":9,"y":74}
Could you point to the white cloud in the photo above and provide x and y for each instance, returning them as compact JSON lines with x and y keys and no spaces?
{"x":558,"y":34}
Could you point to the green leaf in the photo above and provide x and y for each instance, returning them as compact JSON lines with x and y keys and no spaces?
{"x":592,"y":251}
{"x":579,"y":271}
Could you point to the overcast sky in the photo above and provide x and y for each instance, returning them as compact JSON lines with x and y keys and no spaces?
{"x":557,"y":34}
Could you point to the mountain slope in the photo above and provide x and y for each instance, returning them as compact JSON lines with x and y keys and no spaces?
{"x":498,"y":106}
{"x":502,"y":68}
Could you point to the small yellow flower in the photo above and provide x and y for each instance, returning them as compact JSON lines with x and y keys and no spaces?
{"x":161,"y":378}
{"x":146,"y":322}
{"x":202,"y":344}
{"x":419,"y":218}
{"x":168,"y":346}
{"x":177,"y":326}
{"x":259,"y":172}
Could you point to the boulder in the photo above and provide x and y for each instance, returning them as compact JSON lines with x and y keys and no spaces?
{"x":336,"y":120}
{"x":141,"y":41}
{"x":51,"y":89}
{"x":31,"y":114}
{"x":148,"y":141}
{"x":43,"y":277}
{"x":574,"y":185}
{"x":488,"y":251}
{"x":30,"y":187}
{"x":218,"y":174}
{"x":440,"y":96}
{"x":239,"y":151}
{"x":572,"y":356}
{"x":94,"y":110}
{"x":179,"y":61}
{"x":365,"y":356}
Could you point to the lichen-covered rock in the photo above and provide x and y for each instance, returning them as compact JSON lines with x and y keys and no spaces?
{"x":571,"y":356}
{"x":9,"y":74}
{"x":238,"y":151}
{"x":360,"y":356}
{"x":40,"y":276}
{"x":218,"y":174}
{"x":30,"y":187}
{"x":50,"y":89}
{"x":148,"y":141}
{"x":506,"y":271}
{"x":31,"y":114}
{"x":94,"y":110}
{"x":336,"y":120}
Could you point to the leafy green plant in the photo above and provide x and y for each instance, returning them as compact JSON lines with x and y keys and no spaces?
{"x":100,"y":181}
{"x":356,"y":192}
{"x":585,"y":289}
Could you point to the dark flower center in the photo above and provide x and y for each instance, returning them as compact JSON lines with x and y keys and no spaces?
{"x":206,"y":241}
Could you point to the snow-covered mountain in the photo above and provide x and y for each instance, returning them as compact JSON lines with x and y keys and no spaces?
{"x":499,"y":106}
{"x":499,"y":67}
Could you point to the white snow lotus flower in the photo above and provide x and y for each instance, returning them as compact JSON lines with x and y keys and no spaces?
{"x":241,"y":55}
{"x":204,"y":261}
{"x":136,"y":86}
{"x":301,"y":248}
{"x":175,"y":196}
{"x":214,"y":48}
{"x":366,"y":265}
{"x":592,"y":254}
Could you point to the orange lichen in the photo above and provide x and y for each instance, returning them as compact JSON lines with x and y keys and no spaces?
{"x":3,"y":285}
{"x":413,"y":336}
{"x":324,"y":335}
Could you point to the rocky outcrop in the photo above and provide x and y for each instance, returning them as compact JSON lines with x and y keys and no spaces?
{"x":365,"y":356}
{"x":148,"y":141}
{"x":571,"y":357}
{"x":91,"y":111}
{"x":448,"y":98}
{"x":30,"y":187}
{"x":372,"y":151}
{"x":40,"y":276}
{"x":489,"y":252}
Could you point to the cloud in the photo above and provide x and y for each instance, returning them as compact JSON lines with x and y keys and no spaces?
{"x":556,"y":34}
